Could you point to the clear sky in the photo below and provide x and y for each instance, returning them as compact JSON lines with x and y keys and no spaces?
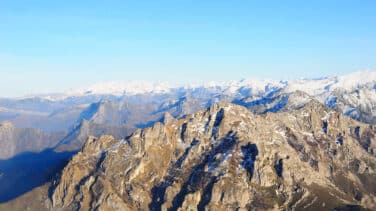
{"x":50,"y":46}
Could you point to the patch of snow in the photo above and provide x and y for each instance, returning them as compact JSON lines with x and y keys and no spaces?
{"x":123,"y":88}
{"x":355,"y":80}
{"x":312,"y":87}
{"x":274,"y":142}
{"x":305,"y":114}
{"x":281,"y":133}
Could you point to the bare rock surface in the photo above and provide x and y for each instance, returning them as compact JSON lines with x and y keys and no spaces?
{"x":227,"y":158}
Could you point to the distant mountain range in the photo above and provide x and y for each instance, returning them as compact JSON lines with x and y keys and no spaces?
{"x":117,"y":103}
{"x":245,"y":87}
{"x":54,"y":127}
{"x":115,"y":106}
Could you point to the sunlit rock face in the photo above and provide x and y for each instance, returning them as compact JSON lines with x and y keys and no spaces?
{"x":227,"y":158}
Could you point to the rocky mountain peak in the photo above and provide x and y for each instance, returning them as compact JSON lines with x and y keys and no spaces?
{"x":168,"y":118}
{"x":95,"y":145}
{"x":226,"y":157}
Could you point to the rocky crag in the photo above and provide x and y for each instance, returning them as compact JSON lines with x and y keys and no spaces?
{"x":227,"y":158}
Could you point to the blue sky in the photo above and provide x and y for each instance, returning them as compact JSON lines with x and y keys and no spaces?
{"x":50,"y":46}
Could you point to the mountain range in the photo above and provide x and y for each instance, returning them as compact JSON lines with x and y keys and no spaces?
{"x":177,"y":147}
{"x":225,"y":157}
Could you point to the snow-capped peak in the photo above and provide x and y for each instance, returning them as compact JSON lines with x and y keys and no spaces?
{"x":232,"y":87}
{"x":315,"y":87}
{"x":355,"y":79}
{"x":123,"y":88}
{"x":345,"y":82}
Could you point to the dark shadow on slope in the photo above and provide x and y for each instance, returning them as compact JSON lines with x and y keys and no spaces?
{"x":268,"y":99}
{"x":158,"y":192}
{"x":199,"y":178}
{"x":29,"y":170}
{"x":278,"y":167}
{"x":207,"y":194}
{"x":250,"y":153}
{"x":325,"y":126}
{"x":180,"y":161}
{"x":89,"y":112}
{"x":348,"y":208}
{"x":218,"y":119}
{"x":262,"y":101}
{"x":183,"y":129}
{"x":280,"y":105}
{"x":196,"y":177}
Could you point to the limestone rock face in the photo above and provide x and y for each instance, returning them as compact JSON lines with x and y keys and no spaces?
{"x":227,"y":158}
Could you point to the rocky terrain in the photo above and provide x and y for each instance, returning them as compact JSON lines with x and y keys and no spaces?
{"x":30,"y":157}
{"x":109,"y":108}
{"x":225,"y":157}
{"x":191,"y":143}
